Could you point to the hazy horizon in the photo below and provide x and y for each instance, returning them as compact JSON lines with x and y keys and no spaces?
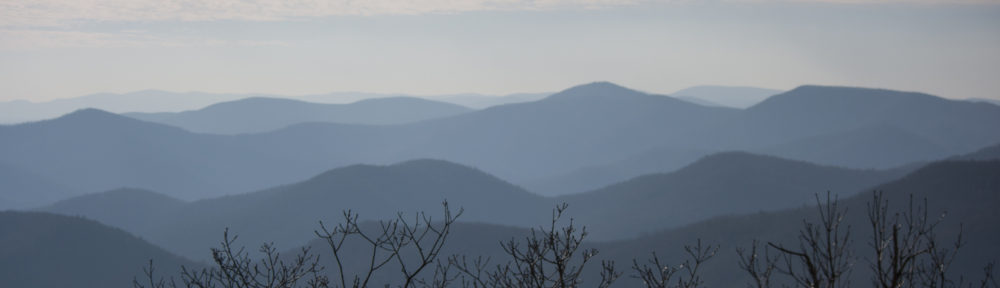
{"x":56,"y":49}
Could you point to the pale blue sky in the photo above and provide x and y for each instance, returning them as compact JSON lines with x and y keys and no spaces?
{"x":60,"y":48}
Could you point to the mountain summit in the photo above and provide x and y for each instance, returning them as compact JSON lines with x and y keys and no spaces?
{"x":596,"y":89}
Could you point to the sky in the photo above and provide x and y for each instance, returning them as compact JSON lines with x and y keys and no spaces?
{"x":66,"y":48}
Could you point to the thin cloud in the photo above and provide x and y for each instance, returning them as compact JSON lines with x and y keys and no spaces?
{"x":56,"y":13}
{"x":57,"y":23}
{"x":864,"y":2}
{"x":27,"y":39}
{"x":62,"y":13}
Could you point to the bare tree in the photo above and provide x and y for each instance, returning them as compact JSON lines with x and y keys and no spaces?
{"x":760,"y":267}
{"x":822,"y":259}
{"x":655,"y":274}
{"x":988,"y":280}
{"x":419,"y":238}
{"x":235,"y":268}
{"x":933,"y":270}
{"x":899,"y":240}
{"x":548,"y":257}
{"x":908,"y":251}
{"x":151,"y":280}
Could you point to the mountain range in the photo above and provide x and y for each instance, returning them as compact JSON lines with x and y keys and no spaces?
{"x":255,"y":115}
{"x":287,"y":214}
{"x":716,"y":185}
{"x":158,"y":101}
{"x":20,"y":111}
{"x":593,"y":125}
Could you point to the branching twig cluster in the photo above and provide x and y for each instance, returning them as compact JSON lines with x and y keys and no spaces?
{"x":393,"y":242}
{"x":760,"y":266}
{"x":656,"y":274}
{"x":235,"y":268}
{"x":898,"y":242}
{"x":546,"y":258}
{"x":421,"y":240}
{"x":822,"y":259}
{"x":906,"y":251}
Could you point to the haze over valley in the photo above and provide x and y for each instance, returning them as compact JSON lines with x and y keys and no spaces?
{"x":649,"y":165}
{"x":499,"y":144}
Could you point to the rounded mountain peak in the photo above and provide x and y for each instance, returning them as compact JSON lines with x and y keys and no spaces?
{"x":595,"y":89}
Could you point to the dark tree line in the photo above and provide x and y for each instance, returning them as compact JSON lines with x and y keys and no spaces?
{"x":906,"y":253}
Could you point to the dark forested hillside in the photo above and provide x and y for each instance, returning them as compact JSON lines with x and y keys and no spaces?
{"x":48,"y":250}
{"x":138,"y":211}
{"x":661,"y":160}
{"x":965,"y":193}
{"x":289,"y":214}
{"x":878,"y":147}
{"x":720,"y":184}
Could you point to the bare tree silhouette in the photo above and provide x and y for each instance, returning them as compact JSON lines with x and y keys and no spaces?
{"x":546,"y":258}
{"x":393,"y":239}
{"x":421,"y":237}
{"x":235,"y":268}
{"x":822,"y":259}
{"x":906,"y":253}
{"x":898,"y":240}
{"x":656,"y":274}
{"x":760,"y":267}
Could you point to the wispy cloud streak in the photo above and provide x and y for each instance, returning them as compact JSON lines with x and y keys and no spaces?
{"x":27,"y":39}
{"x":63,"y":13}
{"x":55,"y":13}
